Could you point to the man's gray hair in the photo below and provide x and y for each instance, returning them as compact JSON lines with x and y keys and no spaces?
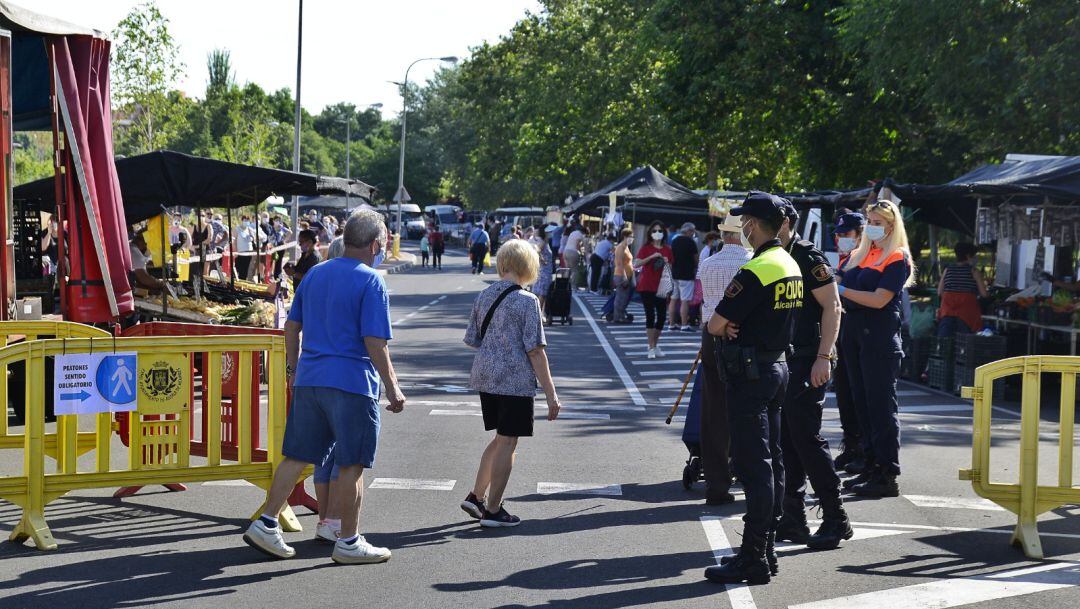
{"x":363,"y":227}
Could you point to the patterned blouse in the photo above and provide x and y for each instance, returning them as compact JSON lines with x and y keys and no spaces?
{"x":501,"y":365}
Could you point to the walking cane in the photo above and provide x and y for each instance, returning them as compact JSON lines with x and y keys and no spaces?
{"x":689,"y":376}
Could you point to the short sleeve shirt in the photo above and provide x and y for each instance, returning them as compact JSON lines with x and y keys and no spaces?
{"x":684,"y":252}
{"x":763,"y":299}
{"x":816,"y":273}
{"x":649,"y":280}
{"x":339,"y":303}
{"x":479,"y":236}
{"x":501,"y":365}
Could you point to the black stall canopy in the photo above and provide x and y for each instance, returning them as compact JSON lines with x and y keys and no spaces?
{"x":166,"y":178}
{"x":648,"y":191}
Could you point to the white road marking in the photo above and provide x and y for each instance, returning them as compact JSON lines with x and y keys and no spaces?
{"x":460,"y":287}
{"x":423,"y":308}
{"x":600,"y":407}
{"x":578,"y":488}
{"x":678,"y":385}
{"x":958,"y":591}
{"x":962,"y":503}
{"x":675,"y":373}
{"x":584,"y":415}
{"x":227,"y":483}
{"x":900,"y":393}
{"x":662,"y":362}
{"x":680,"y":418}
{"x":738,"y":594}
{"x":410,"y":484}
{"x":666,"y":353}
{"x":439,"y":403}
{"x":631,"y":388}
{"x":861,"y":533}
{"x":451,"y":413}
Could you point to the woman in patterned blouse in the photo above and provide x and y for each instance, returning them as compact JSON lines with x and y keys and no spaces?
{"x":510,"y":359}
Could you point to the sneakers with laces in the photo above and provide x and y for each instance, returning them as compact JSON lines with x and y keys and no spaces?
{"x":502,"y":518}
{"x":267,"y":540}
{"x":325,"y":531}
{"x":473,"y":507}
{"x":359,"y":552}
{"x":687,"y":329}
{"x":652,"y":354}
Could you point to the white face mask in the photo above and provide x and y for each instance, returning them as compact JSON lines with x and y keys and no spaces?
{"x":845,"y":245}
{"x":745,"y":240}
{"x":657,"y":236}
{"x":875,"y":233}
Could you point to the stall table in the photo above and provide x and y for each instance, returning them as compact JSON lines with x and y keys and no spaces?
{"x":1071,"y":331}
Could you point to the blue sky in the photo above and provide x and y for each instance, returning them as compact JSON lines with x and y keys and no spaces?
{"x":351,"y":48}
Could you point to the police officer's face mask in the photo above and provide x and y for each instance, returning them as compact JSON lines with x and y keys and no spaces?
{"x":745,"y":234}
{"x":845,"y":245}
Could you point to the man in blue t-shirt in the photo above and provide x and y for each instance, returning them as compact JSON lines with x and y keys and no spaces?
{"x":343,"y":309}
{"x":479,"y":242}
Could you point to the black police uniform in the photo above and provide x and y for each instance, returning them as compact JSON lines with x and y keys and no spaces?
{"x":762,"y":300}
{"x":806,"y":452}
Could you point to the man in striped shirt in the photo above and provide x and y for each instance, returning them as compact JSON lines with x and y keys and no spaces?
{"x":715,"y":273}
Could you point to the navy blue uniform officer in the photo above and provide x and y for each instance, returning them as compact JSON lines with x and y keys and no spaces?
{"x":756,"y":319}
{"x":806,"y":451}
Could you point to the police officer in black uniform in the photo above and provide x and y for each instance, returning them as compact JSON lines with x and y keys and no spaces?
{"x":806,"y":452}
{"x":756,"y":319}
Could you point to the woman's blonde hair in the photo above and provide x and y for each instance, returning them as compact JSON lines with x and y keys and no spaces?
{"x":520,"y":258}
{"x":895,"y":240}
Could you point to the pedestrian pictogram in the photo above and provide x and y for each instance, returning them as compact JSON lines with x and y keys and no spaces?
{"x":116,"y":378}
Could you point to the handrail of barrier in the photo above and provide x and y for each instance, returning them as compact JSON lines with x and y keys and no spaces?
{"x":159,"y":449}
{"x":1027,"y":498}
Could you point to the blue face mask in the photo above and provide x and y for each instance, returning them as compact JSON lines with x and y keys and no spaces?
{"x":875,"y":233}
{"x":378,"y":260}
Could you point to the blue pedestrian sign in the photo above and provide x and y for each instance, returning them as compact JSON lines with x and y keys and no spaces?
{"x":89,"y":383}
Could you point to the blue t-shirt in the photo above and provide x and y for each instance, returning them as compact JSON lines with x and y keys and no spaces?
{"x":480,"y":236}
{"x":339,"y":302}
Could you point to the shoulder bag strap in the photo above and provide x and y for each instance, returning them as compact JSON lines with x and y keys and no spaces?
{"x":495,"y":305}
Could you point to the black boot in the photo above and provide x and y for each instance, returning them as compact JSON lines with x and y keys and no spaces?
{"x":770,"y":555}
{"x":857,"y":465}
{"x":747,"y":566}
{"x":792,"y":526}
{"x":848,"y":455}
{"x":879,"y":485}
{"x":863,"y":475}
{"x":835,"y":526}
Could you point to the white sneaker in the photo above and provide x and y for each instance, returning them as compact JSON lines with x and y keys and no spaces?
{"x":267,"y":540}
{"x":652,"y":354}
{"x":325,"y":532}
{"x":359,"y":552}
{"x":659,"y":351}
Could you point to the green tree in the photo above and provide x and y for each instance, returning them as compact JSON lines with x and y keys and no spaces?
{"x":146,"y":65}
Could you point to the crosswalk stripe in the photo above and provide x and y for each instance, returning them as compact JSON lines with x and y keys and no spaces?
{"x":411,"y":484}
{"x":962,"y":503}
{"x":585,"y":416}
{"x":676,"y":372}
{"x":665,"y":385}
{"x":641,"y":353}
{"x":458,"y":413}
{"x":578,"y":488}
{"x":661,"y":362}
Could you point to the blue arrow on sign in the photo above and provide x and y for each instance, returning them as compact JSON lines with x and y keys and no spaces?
{"x":81,"y":396}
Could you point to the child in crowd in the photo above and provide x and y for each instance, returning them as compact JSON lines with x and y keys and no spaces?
{"x":424,"y":249}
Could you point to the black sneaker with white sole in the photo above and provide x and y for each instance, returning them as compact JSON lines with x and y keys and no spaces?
{"x":473,"y":507}
{"x":502,"y":518}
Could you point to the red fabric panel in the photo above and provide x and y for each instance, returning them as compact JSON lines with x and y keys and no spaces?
{"x":82,"y":64}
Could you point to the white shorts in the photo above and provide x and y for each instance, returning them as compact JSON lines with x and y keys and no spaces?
{"x":683,"y":290}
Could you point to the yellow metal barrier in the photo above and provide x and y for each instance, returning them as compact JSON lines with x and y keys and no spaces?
{"x":159,"y":439}
{"x":1027,"y":499}
{"x":33,"y":330}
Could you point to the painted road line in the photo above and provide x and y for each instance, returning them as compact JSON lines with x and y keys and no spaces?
{"x":600,"y":407}
{"x":410,"y":484}
{"x":861,"y":533}
{"x":927,"y":408}
{"x":661,"y":362}
{"x":738,"y":594}
{"x":674,"y":373}
{"x":643,"y":353}
{"x":578,"y":488}
{"x":424,"y":308}
{"x":678,"y":385}
{"x":585,"y":416}
{"x":958,"y":591}
{"x":961,"y":503}
{"x":227,"y":483}
{"x":440,"y":403}
{"x":909,"y":393}
{"x":679,"y":418}
{"x":616,"y":363}
{"x":452,"y":413}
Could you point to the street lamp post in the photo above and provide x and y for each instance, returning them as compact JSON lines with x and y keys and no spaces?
{"x":401,"y":195}
{"x":295,"y":212}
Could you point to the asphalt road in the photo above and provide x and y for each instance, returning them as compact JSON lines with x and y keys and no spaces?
{"x":622,"y":533}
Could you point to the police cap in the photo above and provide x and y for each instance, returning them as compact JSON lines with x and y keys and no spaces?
{"x":849,"y":222}
{"x":761,"y":205}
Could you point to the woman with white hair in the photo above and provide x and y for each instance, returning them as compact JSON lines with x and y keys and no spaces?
{"x":506,"y":330}
{"x":874,"y":277}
